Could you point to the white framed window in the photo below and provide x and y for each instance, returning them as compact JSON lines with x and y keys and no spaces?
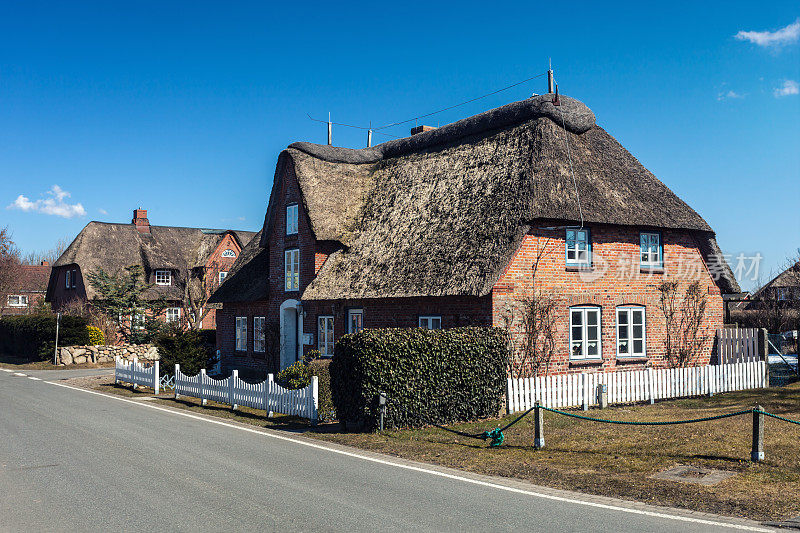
{"x":222,"y":276}
{"x":325,"y":335}
{"x":430,"y":322}
{"x":291,"y":219}
{"x":137,"y":320}
{"x":631,"y":332}
{"x":651,"y":250}
{"x":228,"y":253}
{"x":355,"y":320}
{"x":578,"y":250}
{"x":291,"y":266}
{"x":259,"y":334}
{"x":17,"y":300}
{"x":67,"y":276}
{"x":584,"y":333}
{"x":241,"y":333}
{"x":163,"y":277}
{"x":173,"y":314}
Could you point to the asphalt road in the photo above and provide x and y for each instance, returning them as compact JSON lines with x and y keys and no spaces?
{"x":71,"y":460}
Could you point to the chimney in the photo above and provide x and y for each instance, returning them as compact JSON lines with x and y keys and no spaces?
{"x":421,"y":129}
{"x":140,"y":220}
{"x":45,"y":263}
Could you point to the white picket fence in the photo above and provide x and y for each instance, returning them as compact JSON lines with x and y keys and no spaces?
{"x":580,"y":390}
{"x":136,"y":373}
{"x":266,"y":395}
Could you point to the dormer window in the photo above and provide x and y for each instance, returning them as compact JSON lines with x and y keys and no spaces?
{"x":229,"y":253}
{"x":163,"y":277}
{"x":291,"y":219}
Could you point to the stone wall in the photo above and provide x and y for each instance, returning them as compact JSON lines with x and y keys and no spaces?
{"x":73,"y":355}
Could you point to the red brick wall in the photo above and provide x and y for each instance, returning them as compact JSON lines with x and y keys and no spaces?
{"x":216,"y":264}
{"x":612,"y":282}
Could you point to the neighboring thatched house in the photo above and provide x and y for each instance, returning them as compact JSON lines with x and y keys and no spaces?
{"x":166,"y":253}
{"x":443,"y":228}
{"x":775,"y":306}
{"x":27,"y":289}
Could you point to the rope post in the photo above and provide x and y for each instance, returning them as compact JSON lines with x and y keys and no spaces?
{"x":538,"y":425}
{"x":758,"y":435}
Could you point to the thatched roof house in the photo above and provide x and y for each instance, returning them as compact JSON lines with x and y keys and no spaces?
{"x":442,"y":212}
{"x":113,"y":246}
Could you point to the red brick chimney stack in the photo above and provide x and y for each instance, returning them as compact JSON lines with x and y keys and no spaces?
{"x":140,"y":220}
{"x":45,"y":263}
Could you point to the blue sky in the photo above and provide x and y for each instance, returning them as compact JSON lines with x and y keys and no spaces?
{"x":182,"y":108}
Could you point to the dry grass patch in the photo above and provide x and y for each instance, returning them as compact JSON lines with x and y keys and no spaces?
{"x":22,"y":363}
{"x":618,"y":461}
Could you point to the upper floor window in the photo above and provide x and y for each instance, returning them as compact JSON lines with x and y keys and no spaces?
{"x":291,"y":219}
{"x":355,"y":320}
{"x":228,"y":253}
{"x":241,"y":333}
{"x":222,"y":276}
{"x":651,"y":250}
{"x":430,"y":322}
{"x":584,"y":333}
{"x":163,"y":277}
{"x":68,"y":275}
{"x":325,"y":335}
{"x":291,"y":269}
{"x":71,"y":278}
{"x":783,"y":293}
{"x":173,"y":314}
{"x":631,"y":332}
{"x":578,"y":247}
{"x":17,"y":300}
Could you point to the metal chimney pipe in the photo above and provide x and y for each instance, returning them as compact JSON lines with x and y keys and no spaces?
{"x":369,"y":138}
{"x":550,"y":81}
{"x":330,"y":130}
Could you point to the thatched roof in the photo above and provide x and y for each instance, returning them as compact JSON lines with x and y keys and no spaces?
{"x":248,"y":279}
{"x":113,"y":247}
{"x":442,"y":212}
{"x":787,"y":279}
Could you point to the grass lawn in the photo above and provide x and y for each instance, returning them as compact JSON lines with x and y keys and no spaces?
{"x":605,"y":459}
{"x":22,"y":363}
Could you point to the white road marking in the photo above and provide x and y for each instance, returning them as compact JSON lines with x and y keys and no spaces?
{"x":426,"y":470}
{"x":20,"y":374}
{"x":34,"y":379}
{"x":6,"y":369}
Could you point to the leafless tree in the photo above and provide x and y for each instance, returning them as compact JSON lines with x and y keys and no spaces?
{"x":51,"y":255}
{"x":684,"y":337}
{"x":198,"y":286}
{"x":530,"y":321}
{"x":9,"y":263}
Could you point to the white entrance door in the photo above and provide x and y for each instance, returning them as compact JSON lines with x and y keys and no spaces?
{"x":289,"y":328}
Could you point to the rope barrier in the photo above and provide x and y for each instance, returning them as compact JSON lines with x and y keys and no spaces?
{"x":497,"y":437}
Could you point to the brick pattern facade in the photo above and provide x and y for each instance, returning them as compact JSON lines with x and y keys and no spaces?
{"x":610,"y":282}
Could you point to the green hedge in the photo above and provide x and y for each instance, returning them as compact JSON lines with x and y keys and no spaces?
{"x":438,"y":376}
{"x":33,"y":336}
{"x":299,"y":375}
{"x":184,"y":347}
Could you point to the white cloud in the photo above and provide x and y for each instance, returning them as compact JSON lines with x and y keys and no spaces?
{"x":53,"y":204}
{"x":240,"y":219}
{"x":788,"y":35}
{"x":102,"y":211}
{"x":730,"y":94}
{"x":788,"y":88}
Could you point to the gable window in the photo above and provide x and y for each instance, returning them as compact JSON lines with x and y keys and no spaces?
{"x":74,"y":278}
{"x":291,"y":270}
{"x":229,"y":253}
{"x":259,"y":334}
{"x":173,"y":314}
{"x":355,"y":320}
{"x":430,"y":322}
{"x":17,"y":300}
{"x":631,"y":332}
{"x":325,"y":335}
{"x":651,"y":250}
{"x":578,"y":247}
{"x":241,"y":333}
{"x":584,"y":333}
{"x":222,"y":276}
{"x":782,"y":293}
{"x":163,"y":277}
{"x":291,"y":219}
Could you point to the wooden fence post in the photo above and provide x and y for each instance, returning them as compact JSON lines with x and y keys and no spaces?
{"x":232,"y":389}
{"x":314,"y":399}
{"x":538,"y":426}
{"x":269,"y":388}
{"x":202,"y":381}
{"x":585,"y":386}
{"x":757,"y":454}
{"x":177,"y":371}
{"x":157,"y":378}
{"x":650,"y":385}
